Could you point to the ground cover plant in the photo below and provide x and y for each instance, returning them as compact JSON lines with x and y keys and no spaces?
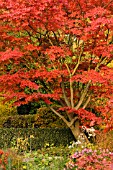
{"x":49,"y":157}
{"x":3,"y":160}
{"x":72,"y":157}
{"x":89,"y":159}
{"x":57,"y":52}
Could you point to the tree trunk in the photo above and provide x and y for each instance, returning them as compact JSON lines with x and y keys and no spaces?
{"x":74,"y":125}
{"x":75,"y":129}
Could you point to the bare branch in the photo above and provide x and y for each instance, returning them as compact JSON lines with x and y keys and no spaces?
{"x":68,"y":69}
{"x":108,"y":4}
{"x":83,"y":96}
{"x":71,"y":86}
{"x":69,"y":124}
{"x":64,"y":94}
{"x":87,"y":101}
{"x":73,"y":120}
{"x":79,"y":58}
{"x":55,"y":37}
{"x":71,"y":91}
{"x":58,"y":114}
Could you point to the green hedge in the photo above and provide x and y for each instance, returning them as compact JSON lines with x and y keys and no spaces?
{"x":37,"y":137}
{"x":17,"y":121}
{"x":43,"y":119}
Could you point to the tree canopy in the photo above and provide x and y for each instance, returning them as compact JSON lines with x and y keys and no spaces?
{"x":57,"y":51}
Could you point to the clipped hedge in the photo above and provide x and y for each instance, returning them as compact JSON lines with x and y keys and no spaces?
{"x":37,"y":137}
{"x":43,"y":119}
{"x":17,"y":121}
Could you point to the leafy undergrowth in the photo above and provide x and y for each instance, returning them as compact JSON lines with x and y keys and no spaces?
{"x":105,"y":140}
{"x":47,"y":158}
{"x":73,"y":157}
{"x":3,"y":160}
{"x":89,"y":159}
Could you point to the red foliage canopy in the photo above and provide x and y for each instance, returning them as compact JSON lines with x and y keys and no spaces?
{"x":58,"y":51}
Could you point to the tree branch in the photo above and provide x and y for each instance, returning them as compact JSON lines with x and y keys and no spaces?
{"x":108,"y":3}
{"x":73,"y":120}
{"x":83,"y":96}
{"x":64,"y":94}
{"x":87,"y":101}
{"x":79,"y":58}
{"x":68,"y":69}
{"x":71,"y":86}
{"x":58,"y":114}
{"x":69,"y":124}
{"x":71,"y":91}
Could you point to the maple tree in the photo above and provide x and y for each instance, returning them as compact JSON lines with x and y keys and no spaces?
{"x":58,"y":51}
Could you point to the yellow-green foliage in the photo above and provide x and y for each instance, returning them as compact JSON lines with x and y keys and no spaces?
{"x":105,"y":140}
{"x":110,"y":64}
{"x":17,"y":121}
{"x":46,"y":118}
{"x":6,"y":109}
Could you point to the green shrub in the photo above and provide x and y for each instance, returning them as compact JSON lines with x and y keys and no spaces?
{"x":6,"y":109}
{"x":43,"y":119}
{"x":46,"y":118}
{"x":17,"y":121}
{"x":2,"y":121}
{"x":37,"y":137}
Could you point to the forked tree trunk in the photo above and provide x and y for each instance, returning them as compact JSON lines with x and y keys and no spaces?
{"x":75,"y":129}
{"x":74,"y":125}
